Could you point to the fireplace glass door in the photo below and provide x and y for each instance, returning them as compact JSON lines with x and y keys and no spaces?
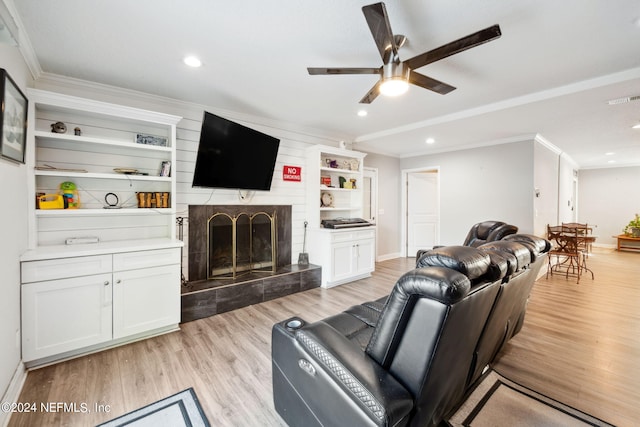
{"x":240,"y":244}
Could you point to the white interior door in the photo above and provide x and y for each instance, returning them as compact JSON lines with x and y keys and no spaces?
{"x":423,"y":210}
{"x":370,"y":200}
{"x":370,"y":194}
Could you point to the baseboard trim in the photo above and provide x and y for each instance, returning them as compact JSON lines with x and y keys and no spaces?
{"x":13,"y":391}
{"x":605,"y":246}
{"x":387,"y":257}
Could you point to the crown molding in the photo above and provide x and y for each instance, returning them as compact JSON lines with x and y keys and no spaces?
{"x":24,"y":43}
{"x":188,"y":110}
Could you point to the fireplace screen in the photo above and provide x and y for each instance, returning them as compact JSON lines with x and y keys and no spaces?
{"x":241,"y":244}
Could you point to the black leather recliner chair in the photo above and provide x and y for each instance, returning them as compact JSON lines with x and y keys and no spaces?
{"x":406,"y":359}
{"x":488,"y":231}
{"x":483,"y":232}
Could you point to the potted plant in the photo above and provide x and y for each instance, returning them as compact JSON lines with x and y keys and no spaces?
{"x":633,"y":228}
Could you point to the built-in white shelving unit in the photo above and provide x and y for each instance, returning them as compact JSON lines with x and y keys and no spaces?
{"x":78,"y":298}
{"x":344,"y":254}
{"x":106,"y":142}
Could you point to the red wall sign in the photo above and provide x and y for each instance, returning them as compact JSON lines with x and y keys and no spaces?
{"x":292,"y":173}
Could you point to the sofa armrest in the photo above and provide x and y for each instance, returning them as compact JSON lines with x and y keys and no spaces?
{"x":334,"y":379}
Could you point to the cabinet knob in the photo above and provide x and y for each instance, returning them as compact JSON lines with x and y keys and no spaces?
{"x":106,"y":283}
{"x":118,"y":281}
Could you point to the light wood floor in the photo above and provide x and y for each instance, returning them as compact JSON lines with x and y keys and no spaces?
{"x":580,"y":344}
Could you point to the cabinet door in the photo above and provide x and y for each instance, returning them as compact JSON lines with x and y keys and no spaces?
{"x":365,"y":256}
{"x":64,"y":315}
{"x":342,"y":258}
{"x":145,"y":299}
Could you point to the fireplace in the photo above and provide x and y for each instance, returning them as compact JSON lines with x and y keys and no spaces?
{"x":263,"y":269}
{"x":241,"y":244}
{"x":230,"y":241}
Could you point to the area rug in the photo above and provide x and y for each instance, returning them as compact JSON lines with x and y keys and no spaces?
{"x":497,"y":401}
{"x":181,"y":409}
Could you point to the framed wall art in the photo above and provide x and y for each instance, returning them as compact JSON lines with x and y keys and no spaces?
{"x":13,"y":119}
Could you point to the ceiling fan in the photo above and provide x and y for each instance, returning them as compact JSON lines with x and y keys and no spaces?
{"x":395,"y":76}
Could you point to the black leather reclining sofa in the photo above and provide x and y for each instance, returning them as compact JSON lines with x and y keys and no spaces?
{"x":409,"y":358}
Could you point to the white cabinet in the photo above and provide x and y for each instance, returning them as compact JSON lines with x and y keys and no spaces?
{"x":64,"y":315}
{"x":365,"y":255}
{"x":146,"y":291}
{"x":345,"y":255}
{"x":145,"y":299}
{"x":75,"y":304}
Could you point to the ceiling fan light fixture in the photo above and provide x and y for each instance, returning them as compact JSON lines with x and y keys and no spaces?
{"x":395,"y":79}
{"x":394,"y":86}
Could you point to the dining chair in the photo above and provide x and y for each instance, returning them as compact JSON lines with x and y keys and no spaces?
{"x":567,"y":255}
{"x":584,"y":233}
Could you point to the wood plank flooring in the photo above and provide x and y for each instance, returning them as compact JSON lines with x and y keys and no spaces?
{"x":580,"y":344}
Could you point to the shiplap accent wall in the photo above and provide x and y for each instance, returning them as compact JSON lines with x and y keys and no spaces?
{"x":291,"y":153}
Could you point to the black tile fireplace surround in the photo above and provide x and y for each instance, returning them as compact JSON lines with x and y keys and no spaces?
{"x":203,"y":297}
{"x":198,"y":224}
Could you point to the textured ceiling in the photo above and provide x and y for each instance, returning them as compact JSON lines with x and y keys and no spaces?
{"x":550,"y":74}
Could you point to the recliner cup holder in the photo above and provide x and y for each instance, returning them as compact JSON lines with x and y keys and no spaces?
{"x":294,"y":324}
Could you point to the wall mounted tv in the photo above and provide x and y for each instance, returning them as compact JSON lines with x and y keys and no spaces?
{"x":231,"y":155}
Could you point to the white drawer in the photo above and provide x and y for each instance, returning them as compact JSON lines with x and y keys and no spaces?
{"x":143,"y":259}
{"x":38,"y":271}
{"x":351,"y":235}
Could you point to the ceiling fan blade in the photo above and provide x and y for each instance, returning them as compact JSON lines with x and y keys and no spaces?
{"x":321,"y":71}
{"x":372,"y":94}
{"x":457,"y":46}
{"x":429,"y":83}
{"x":378,"y":21}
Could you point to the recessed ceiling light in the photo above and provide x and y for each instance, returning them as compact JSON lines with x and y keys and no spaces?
{"x":611,"y":161}
{"x":430,"y":141}
{"x":610,"y":153}
{"x":362,"y":113}
{"x":636,"y":126}
{"x":192,"y":61}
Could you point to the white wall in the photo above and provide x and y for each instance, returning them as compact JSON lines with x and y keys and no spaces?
{"x":609,"y":198}
{"x":388,"y":215}
{"x":13,"y":236}
{"x":545,"y":181}
{"x":567,"y":200}
{"x":488,"y":183}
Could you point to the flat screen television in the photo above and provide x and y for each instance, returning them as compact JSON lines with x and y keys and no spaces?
{"x":231,"y":155}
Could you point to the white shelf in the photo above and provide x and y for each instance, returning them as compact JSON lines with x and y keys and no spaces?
{"x":50,"y":136}
{"x":338,"y":189}
{"x":127,"y":177}
{"x":99,"y":212}
{"x":329,"y":208}
{"x":337,"y":170}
